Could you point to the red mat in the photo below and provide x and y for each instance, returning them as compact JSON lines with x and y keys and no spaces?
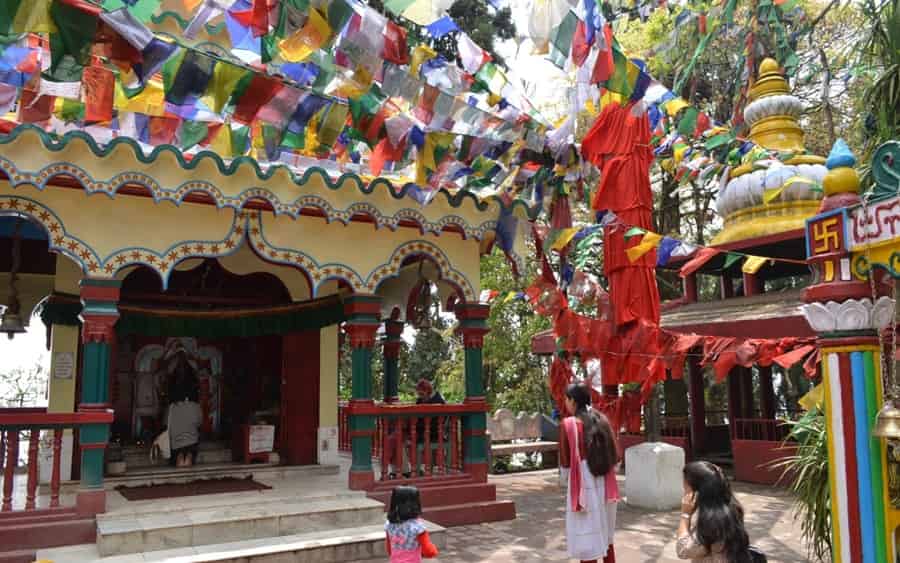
{"x":193,"y":488}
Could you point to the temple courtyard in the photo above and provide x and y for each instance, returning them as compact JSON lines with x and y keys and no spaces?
{"x":538,"y":534}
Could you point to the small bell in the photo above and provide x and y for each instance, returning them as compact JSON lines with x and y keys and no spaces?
{"x":887,"y":422}
{"x":11,"y":324}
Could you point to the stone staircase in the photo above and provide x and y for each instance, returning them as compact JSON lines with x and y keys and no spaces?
{"x":453,"y":501}
{"x":313,"y":517}
{"x":21,"y":535}
{"x":209,"y":453}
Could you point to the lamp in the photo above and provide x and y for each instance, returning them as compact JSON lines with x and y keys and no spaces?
{"x":11,"y":323}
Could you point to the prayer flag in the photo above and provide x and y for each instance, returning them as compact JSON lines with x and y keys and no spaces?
{"x":563,"y":238}
{"x":70,"y":46}
{"x":332,"y":124}
{"x":140,"y":9}
{"x":191,"y":79}
{"x":580,"y":47}
{"x":395,"y":47}
{"x":27,"y":16}
{"x":150,"y":101}
{"x":471,"y":55}
{"x":225,"y":80}
{"x":162,"y":130}
{"x":703,"y":256}
{"x":648,"y":243}
{"x":633,"y":232}
{"x":208,"y":10}
{"x":308,"y":39}
{"x":240,"y":140}
{"x":664,"y":252}
{"x":421,"y":54}
{"x":259,"y":18}
{"x":130,"y":29}
{"x":259,"y":91}
{"x":441,"y":27}
{"x":397,"y":7}
{"x":753,"y":264}
{"x":730,"y":259}
{"x":98,"y":88}
{"x":191,"y":133}
{"x":279,"y":109}
{"x":688,"y":123}
{"x":34,"y":108}
{"x":221,"y":141}
{"x":813,"y":399}
{"x":155,"y":55}
{"x":561,"y":39}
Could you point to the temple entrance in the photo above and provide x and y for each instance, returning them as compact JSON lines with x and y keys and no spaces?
{"x":237,"y":345}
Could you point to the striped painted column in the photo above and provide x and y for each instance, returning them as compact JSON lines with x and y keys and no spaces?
{"x":853,"y":396}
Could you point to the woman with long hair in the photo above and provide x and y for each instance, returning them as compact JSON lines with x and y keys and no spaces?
{"x":588,"y":458}
{"x":712,"y":520}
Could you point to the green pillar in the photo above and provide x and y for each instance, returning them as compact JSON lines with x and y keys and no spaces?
{"x":98,"y":317}
{"x":362,"y":323}
{"x":473,"y":326}
{"x":392,"y":342}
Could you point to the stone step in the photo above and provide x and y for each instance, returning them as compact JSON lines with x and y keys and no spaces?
{"x":166,"y":474}
{"x":140,"y":457}
{"x":447,"y":495}
{"x":471,"y":513}
{"x":333,"y":546}
{"x":17,"y":556}
{"x":138,"y":533}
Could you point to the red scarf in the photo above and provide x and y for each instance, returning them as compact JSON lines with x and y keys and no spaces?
{"x":571,"y":426}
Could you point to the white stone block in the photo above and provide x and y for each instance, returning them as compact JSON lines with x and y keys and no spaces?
{"x":328,"y":445}
{"x":653,"y":476}
{"x":45,"y":457}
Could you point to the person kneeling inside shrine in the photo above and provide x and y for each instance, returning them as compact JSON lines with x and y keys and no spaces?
{"x":185,"y":418}
{"x":425,"y":394}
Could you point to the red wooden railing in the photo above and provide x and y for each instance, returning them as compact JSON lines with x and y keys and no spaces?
{"x":764,"y":429}
{"x":427,"y":440}
{"x":20,"y":427}
{"x":343,"y":427}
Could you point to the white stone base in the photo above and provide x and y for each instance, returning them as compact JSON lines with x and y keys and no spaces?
{"x":328,"y":445}
{"x":45,"y":457}
{"x":653,"y":476}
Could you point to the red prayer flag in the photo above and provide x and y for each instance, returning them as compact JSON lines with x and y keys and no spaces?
{"x":580,"y":47}
{"x":395,"y":47}
{"x":34,"y":108}
{"x":98,"y":85}
{"x":259,"y":18}
{"x":384,"y":152}
{"x":605,"y":65}
{"x":793,"y":357}
{"x":702,"y":124}
{"x":702,"y":257}
{"x":258,"y":93}
{"x":162,"y":129}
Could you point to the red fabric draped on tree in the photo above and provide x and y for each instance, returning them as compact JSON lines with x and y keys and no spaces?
{"x":619,"y":144}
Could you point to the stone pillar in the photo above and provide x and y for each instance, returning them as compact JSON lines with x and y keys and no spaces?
{"x":98,"y":317}
{"x":473,"y":326}
{"x":392,"y":342}
{"x":698,"y":405}
{"x":841,"y":310}
{"x":362,"y":323}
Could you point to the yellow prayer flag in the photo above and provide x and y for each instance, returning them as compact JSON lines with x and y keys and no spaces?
{"x":509,"y":297}
{"x":648,"y":243}
{"x":609,"y":98}
{"x":421,"y":12}
{"x":306,"y":40}
{"x":678,"y":153}
{"x":221,"y":143}
{"x":34,"y":17}
{"x":224,"y":80}
{"x":151,"y":101}
{"x":493,"y":99}
{"x":311,"y":143}
{"x":564,"y":238}
{"x":421,"y":54}
{"x":753,"y":264}
{"x":676,"y":105}
{"x":815,"y":398}
{"x":190,"y":5}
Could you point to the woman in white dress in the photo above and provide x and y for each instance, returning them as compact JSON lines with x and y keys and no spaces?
{"x":588,"y":457}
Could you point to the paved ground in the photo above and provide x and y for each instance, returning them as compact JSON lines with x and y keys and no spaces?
{"x":538,"y":534}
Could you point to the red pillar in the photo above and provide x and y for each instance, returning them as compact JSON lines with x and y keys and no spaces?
{"x":734,"y":398}
{"x":767,"y":392}
{"x":393,"y":330}
{"x":752,"y":285}
{"x":726,"y":286}
{"x":698,"y":405}
{"x":690,"y":288}
{"x":746,"y":379}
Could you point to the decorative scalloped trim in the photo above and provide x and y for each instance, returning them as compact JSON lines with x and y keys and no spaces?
{"x":229,"y":169}
{"x":862,"y":268}
{"x":59,"y":240}
{"x":391,"y":268}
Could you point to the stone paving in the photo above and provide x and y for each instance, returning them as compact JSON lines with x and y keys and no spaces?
{"x":538,"y":534}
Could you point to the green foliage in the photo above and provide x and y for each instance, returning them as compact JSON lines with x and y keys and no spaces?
{"x":807,"y":472}
{"x":514,"y":377}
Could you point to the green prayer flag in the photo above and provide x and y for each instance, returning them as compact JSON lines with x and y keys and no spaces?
{"x":719,"y":140}
{"x":291,"y":17}
{"x":561,"y":40}
{"x":143,"y":10}
{"x":268,"y":47}
{"x":170,"y":69}
{"x":72,"y":110}
{"x":633,"y":232}
{"x":339,"y":12}
{"x":688,"y":123}
{"x":294,"y":139}
{"x":70,"y":46}
{"x":240,"y":138}
{"x":619,"y":81}
{"x":398,"y":6}
{"x":731,"y":258}
{"x":192,"y":132}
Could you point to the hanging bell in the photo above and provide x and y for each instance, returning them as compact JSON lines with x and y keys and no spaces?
{"x":887,"y":421}
{"x":11,"y":324}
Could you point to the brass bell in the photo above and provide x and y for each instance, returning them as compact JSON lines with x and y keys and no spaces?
{"x":887,"y":422}
{"x":11,"y":324}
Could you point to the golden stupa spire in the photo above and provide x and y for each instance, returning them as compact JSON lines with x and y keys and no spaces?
{"x":773,"y":112}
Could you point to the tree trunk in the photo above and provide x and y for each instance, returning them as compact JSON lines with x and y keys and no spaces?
{"x":826,"y":98}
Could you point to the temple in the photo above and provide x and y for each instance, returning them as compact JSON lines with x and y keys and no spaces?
{"x":150,"y":269}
